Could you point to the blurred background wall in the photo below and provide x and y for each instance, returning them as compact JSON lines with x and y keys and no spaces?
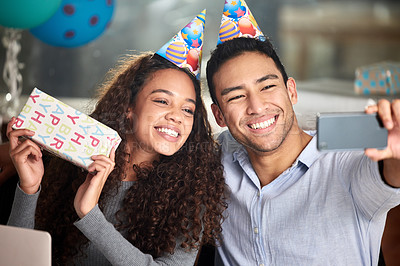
{"x":315,"y":38}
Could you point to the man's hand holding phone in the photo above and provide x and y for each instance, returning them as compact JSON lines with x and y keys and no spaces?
{"x":389,"y":114}
{"x":377,"y":131}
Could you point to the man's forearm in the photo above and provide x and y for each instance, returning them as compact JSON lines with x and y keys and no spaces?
{"x":391,"y":172}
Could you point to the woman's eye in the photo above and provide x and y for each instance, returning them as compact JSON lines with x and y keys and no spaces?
{"x":160,"y":101}
{"x":189,"y":111}
{"x":235,"y":98}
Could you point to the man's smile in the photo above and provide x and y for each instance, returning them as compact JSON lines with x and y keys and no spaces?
{"x":263,"y":124}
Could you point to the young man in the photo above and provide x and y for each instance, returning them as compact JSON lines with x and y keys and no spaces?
{"x":291,"y":204}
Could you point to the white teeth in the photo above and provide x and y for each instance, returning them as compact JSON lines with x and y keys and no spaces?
{"x":168,"y":131}
{"x":264,"y":124}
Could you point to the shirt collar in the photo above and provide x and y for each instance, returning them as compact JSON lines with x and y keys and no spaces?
{"x":310,"y":153}
{"x":307,"y":157}
{"x":239,"y":153}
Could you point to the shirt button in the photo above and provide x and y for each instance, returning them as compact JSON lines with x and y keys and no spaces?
{"x":262,"y":264}
{"x":256,"y":230}
{"x":258,"y":193}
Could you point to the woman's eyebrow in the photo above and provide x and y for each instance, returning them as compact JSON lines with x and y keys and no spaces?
{"x":172,"y":94}
{"x":163,"y":91}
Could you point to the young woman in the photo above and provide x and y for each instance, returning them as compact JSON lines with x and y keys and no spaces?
{"x":154,"y":200}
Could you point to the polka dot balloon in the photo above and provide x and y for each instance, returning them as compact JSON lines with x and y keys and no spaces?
{"x":76,"y":22}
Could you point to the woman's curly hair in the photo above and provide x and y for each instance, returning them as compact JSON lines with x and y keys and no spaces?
{"x":176,"y":197}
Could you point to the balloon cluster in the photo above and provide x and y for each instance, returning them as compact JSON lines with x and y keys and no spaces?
{"x":63,"y":23}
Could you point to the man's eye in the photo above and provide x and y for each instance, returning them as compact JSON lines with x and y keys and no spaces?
{"x":268,"y":87}
{"x":235,"y":98}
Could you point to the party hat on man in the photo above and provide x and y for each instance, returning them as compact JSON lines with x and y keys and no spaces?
{"x":185,"y":48}
{"x":237,"y":21}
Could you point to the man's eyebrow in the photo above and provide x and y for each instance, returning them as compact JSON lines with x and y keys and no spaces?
{"x":269,"y":76}
{"x":228,"y":90}
{"x":171,"y":94}
{"x":264,"y":78}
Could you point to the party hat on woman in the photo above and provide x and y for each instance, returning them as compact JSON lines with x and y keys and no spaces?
{"x":185,"y":48}
{"x":237,"y":21}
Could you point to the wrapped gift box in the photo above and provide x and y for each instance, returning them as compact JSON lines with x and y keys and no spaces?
{"x":64,"y":131}
{"x":381,"y":79}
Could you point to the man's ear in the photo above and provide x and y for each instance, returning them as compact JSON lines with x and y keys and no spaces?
{"x":292,"y":91}
{"x":219,"y":117}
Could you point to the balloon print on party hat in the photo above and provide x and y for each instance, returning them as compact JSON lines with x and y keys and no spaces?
{"x":237,"y":21}
{"x":185,"y":48}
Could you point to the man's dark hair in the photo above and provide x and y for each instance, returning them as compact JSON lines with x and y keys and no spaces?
{"x":236,"y":47}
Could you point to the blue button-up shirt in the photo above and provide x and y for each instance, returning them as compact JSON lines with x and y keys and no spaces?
{"x":326,"y":209}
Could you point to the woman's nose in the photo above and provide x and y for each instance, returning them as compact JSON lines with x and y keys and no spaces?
{"x":174,"y":115}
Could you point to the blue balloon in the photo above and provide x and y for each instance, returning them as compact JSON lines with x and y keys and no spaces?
{"x":234,"y":10}
{"x":76,"y":23}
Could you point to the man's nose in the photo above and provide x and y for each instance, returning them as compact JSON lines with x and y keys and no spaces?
{"x":255,"y":104}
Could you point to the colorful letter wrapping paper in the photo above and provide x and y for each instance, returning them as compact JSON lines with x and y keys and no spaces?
{"x":381,"y":79}
{"x":64,"y":131}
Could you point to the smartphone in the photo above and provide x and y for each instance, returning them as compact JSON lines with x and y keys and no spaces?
{"x":350,"y":131}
